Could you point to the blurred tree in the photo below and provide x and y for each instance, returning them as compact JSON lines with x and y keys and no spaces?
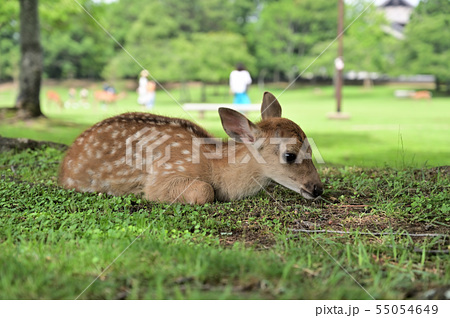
{"x":28,"y":103}
{"x":367,"y":48}
{"x":75,"y":46}
{"x":426,"y":48}
{"x":181,"y":41}
{"x":287,"y":30}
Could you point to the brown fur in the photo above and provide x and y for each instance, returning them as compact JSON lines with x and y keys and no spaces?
{"x":97,"y":161}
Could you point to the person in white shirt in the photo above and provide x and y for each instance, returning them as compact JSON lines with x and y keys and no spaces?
{"x":240,"y":81}
{"x":146,"y":90}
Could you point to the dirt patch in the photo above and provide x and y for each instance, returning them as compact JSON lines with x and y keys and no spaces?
{"x":19,"y":144}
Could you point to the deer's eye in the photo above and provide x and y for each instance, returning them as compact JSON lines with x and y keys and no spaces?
{"x":290,"y":157}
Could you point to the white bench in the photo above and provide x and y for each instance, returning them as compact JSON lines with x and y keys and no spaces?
{"x":203,"y":107}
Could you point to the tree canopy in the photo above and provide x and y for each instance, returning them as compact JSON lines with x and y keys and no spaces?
{"x":204,"y":39}
{"x":426,"y":49}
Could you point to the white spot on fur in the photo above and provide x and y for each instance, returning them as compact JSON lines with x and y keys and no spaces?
{"x":181,"y":169}
{"x":70,"y":182}
{"x":175,"y":144}
{"x":123,"y":172}
{"x":108,"y":167}
{"x":119,"y":162}
{"x":179,"y":162}
{"x":185,"y":152}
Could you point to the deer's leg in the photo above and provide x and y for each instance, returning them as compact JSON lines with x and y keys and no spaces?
{"x":180,"y":190}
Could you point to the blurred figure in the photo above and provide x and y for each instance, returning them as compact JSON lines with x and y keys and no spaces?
{"x":146,"y":90}
{"x":72,"y":101}
{"x":109,"y":88}
{"x":84,"y":94}
{"x":240,"y":81}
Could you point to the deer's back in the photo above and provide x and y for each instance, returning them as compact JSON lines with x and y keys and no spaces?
{"x":118,"y":155}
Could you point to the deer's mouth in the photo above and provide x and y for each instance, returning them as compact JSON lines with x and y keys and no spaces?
{"x":306,"y":194}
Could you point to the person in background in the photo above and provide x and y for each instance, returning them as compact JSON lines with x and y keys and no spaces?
{"x":240,"y":81}
{"x":109,"y":88}
{"x":146,"y":90}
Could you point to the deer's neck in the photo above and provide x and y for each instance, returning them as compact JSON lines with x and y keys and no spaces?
{"x":237,"y":174}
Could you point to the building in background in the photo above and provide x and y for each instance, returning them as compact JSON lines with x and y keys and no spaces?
{"x":397,"y":12}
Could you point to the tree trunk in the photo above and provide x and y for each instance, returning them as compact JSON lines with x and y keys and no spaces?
{"x":437,"y":83}
{"x":203,"y":93}
{"x":27,"y":103}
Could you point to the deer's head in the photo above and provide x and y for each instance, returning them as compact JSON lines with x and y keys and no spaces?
{"x":281,"y":147}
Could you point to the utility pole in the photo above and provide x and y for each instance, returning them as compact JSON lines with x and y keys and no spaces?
{"x":339,"y":65}
{"x":339,"y":62}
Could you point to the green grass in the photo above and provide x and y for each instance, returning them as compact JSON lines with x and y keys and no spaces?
{"x":55,"y":242}
{"x":382,"y":130}
{"x":378,"y":178}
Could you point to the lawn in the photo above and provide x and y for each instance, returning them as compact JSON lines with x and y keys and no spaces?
{"x":385,"y":209}
{"x":55,"y":242}
{"x":383,"y":130}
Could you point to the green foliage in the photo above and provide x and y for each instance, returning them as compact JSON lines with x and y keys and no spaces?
{"x":74,"y":45}
{"x":286,"y":31}
{"x":9,"y":39}
{"x":180,"y":41}
{"x":208,"y":57}
{"x":204,"y":39}
{"x":427,"y":45}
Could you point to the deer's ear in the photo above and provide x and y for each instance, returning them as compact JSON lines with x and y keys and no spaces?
{"x":237,"y":126}
{"x":270,"y":106}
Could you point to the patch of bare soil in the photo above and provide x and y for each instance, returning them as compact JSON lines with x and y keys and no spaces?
{"x":343,"y":219}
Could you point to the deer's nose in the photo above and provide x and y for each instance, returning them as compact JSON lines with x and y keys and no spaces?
{"x":317,"y":191}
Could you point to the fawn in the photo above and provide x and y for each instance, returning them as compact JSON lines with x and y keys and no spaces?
{"x":54,"y":97}
{"x":108,"y":97}
{"x":174,"y":160}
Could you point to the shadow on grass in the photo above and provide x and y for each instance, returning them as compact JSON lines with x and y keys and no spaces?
{"x":47,"y":129}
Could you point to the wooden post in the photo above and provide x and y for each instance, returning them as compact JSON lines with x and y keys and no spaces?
{"x":339,"y":60}
{"x":339,"y":65}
